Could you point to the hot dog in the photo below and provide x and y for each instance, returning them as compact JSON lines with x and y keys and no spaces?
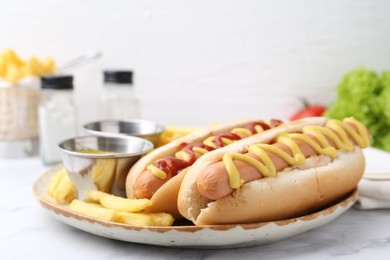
{"x":284,"y":172}
{"x":158,"y":175}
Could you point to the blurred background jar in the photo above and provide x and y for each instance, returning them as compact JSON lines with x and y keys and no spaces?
{"x":117,"y":99}
{"x":19,"y":98}
{"x":18,"y":118}
{"x":57,"y":116}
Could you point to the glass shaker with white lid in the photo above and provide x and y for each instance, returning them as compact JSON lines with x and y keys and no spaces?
{"x":117,"y":98}
{"x":57,"y":116}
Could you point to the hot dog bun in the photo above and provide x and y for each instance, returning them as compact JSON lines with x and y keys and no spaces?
{"x":165,"y":198}
{"x":317,"y":182}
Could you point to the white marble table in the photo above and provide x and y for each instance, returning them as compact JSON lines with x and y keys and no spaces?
{"x":26,"y":232}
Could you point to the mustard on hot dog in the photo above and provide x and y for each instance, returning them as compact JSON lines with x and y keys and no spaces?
{"x":336,"y":131}
{"x":284,"y":172}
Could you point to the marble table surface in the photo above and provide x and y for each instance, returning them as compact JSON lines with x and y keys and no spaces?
{"x":27,"y":232}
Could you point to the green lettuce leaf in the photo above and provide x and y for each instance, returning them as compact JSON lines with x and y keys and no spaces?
{"x":365,"y":95}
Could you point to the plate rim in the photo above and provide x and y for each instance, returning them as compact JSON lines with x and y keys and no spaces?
{"x":44,"y":200}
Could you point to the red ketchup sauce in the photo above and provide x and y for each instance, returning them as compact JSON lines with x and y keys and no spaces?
{"x":172,"y":165}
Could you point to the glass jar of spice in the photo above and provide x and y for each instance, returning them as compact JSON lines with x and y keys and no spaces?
{"x":57,"y":116}
{"x":117,"y":99}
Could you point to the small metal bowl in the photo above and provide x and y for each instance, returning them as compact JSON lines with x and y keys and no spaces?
{"x":101,"y":162}
{"x":137,"y":127}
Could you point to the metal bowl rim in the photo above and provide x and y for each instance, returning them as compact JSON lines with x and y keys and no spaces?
{"x":149,"y":146}
{"x":132,"y":121}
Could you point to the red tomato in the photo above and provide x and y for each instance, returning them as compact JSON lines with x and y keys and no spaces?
{"x":315,"y":110}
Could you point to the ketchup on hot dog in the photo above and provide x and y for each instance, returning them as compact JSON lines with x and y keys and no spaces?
{"x":164,"y":169}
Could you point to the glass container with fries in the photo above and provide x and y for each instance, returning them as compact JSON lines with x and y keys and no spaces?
{"x":19,"y":98}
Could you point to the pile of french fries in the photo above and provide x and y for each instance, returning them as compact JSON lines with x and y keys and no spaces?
{"x":13,"y":68}
{"x":61,"y":187}
{"x":116,"y":209}
{"x":101,"y":204}
{"x":172,"y":133}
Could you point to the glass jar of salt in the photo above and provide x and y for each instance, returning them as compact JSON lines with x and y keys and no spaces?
{"x":117,"y":99}
{"x":57,"y":116}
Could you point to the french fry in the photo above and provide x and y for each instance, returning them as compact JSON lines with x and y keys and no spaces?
{"x":35,"y":67}
{"x":93,"y":210}
{"x":11,"y":57}
{"x":3,"y":66}
{"x":61,"y":187}
{"x":103,"y":173}
{"x":117,"y":203}
{"x":13,"y":73}
{"x":49,"y":66}
{"x":135,"y":219}
{"x":54,"y":181}
{"x":144,"y":219}
{"x":174,"y":132}
{"x":63,"y":190}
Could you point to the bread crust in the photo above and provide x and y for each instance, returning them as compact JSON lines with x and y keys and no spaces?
{"x":290,"y":194}
{"x":165,"y":199}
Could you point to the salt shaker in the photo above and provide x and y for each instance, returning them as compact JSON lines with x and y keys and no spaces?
{"x":57,"y":116}
{"x":117,"y":99}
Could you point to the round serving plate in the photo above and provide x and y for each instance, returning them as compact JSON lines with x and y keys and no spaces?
{"x":213,"y":236}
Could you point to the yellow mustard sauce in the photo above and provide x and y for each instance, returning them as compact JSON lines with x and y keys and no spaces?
{"x":200,"y":150}
{"x":183,"y":155}
{"x":259,"y":129}
{"x":157,"y":172}
{"x":334,"y":130}
{"x":93,"y":151}
{"x":209,"y":142}
{"x":241,"y":130}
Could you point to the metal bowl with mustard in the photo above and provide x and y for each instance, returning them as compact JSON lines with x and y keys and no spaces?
{"x":101,"y":162}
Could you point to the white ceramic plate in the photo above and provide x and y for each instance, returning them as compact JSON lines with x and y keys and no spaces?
{"x":221,"y":236}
